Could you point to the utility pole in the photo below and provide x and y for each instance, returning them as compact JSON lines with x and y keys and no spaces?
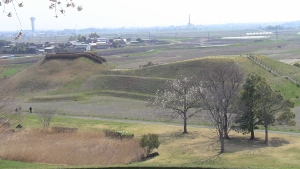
{"x":276,"y":33}
{"x":207,"y":36}
{"x":189,"y":21}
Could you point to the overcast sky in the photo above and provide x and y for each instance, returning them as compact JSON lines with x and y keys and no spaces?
{"x":148,"y":13}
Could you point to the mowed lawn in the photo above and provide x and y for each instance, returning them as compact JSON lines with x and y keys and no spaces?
{"x":199,"y":148}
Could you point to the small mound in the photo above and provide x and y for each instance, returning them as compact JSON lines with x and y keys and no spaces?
{"x":91,"y":56}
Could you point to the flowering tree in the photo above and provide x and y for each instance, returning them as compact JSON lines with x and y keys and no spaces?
{"x":182,"y":97}
{"x":59,"y":6}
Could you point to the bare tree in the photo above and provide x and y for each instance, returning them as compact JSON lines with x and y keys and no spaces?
{"x":182,"y":97}
{"x":45,"y":117}
{"x":220,"y":88}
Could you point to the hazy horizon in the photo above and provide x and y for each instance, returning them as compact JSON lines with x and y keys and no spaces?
{"x":148,"y":13}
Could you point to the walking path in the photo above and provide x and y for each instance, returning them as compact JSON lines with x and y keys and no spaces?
{"x":164,"y":123}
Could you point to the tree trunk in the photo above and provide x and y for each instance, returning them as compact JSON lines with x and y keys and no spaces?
{"x":222,"y":141}
{"x":184,"y":124}
{"x":252,"y":134}
{"x":148,"y":151}
{"x":226,"y":126}
{"x":252,"y":125}
{"x":266,"y":134}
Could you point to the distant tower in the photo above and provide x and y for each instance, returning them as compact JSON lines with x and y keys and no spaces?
{"x":189,"y":26}
{"x":32,"y":19}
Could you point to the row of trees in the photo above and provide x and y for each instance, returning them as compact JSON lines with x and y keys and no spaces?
{"x":222,"y":95}
{"x":82,"y":38}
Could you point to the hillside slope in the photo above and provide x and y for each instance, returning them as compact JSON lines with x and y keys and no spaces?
{"x":196,"y":67}
{"x":65,"y":77}
{"x":48,"y":75}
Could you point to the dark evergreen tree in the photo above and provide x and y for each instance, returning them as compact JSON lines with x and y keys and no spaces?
{"x":247,"y":119}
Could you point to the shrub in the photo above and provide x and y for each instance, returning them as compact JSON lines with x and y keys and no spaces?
{"x":297,"y":64}
{"x":64,"y":130}
{"x":45,"y":117}
{"x":118,"y":134}
{"x":150,"y":142}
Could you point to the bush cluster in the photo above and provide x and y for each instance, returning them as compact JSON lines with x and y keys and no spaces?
{"x":150,"y":142}
{"x":118,"y":134}
{"x":91,"y":56}
{"x":64,"y":130}
{"x":297,"y":64}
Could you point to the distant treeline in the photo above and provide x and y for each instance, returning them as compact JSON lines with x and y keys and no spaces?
{"x":91,"y":56}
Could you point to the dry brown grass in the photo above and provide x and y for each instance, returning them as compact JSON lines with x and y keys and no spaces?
{"x":84,"y":148}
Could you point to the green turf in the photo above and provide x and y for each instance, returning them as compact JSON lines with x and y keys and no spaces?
{"x":9,"y":70}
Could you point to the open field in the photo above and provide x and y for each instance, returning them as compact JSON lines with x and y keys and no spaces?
{"x":83,"y":89}
{"x":199,"y":148}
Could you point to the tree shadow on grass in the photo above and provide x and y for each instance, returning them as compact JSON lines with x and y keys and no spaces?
{"x":277,"y":142}
{"x":241,"y":143}
{"x":210,"y":159}
{"x":190,"y":135}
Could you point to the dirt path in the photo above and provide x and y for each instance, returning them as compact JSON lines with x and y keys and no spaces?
{"x":164,"y":123}
{"x":113,"y":108}
{"x":290,"y":61}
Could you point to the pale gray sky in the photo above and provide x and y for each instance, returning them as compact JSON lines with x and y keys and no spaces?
{"x":147,"y":13}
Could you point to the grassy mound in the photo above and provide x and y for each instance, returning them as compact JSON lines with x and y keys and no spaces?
{"x":52,"y":74}
{"x":81,"y":75}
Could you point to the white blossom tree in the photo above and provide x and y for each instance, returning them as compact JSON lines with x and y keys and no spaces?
{"x":180,"y":98}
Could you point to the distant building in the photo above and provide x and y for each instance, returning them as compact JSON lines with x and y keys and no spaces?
{"x":75,"y":46}
{"x":101,"y":45}
{"x":84,"y":47}
{"x":50,"y":50}
{"x":102,"y":40}
{"x":32,"y":19}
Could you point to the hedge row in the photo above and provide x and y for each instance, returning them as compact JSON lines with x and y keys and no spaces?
{"x":118,"y":134}
{"x":64,"y":130}
{"x":91,"y":56}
